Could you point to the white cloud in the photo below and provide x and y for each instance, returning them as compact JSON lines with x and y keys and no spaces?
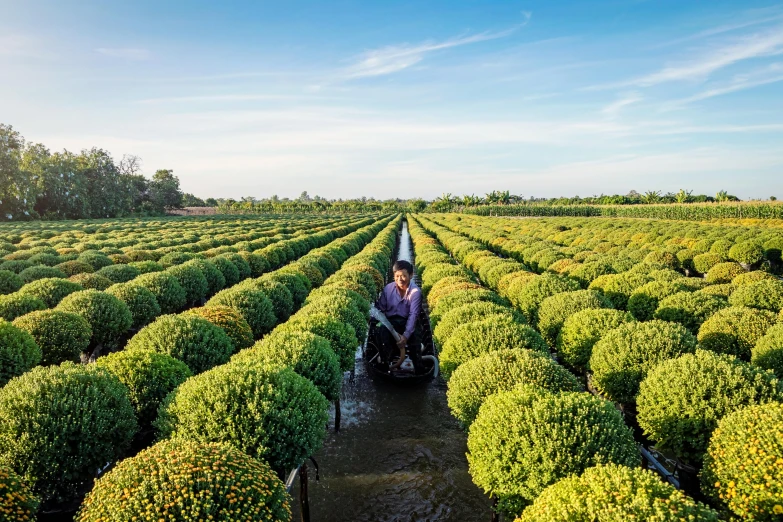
{"x":613,"y":109}
{"x":126,"y":53}
{"x":773,"y":73}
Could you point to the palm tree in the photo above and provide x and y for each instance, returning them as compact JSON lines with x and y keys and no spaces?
{"x":683,"y":196}
{"x":651,"y":196}
{"x":721,"y":196}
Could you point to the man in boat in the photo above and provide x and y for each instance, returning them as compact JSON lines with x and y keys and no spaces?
{"x":401,"y":303}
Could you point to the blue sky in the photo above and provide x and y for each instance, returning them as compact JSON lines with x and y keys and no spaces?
{"x":402,"y":99}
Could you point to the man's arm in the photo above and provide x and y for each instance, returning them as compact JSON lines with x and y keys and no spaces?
{"x":410,"y":326}
{"x":380,"y":303}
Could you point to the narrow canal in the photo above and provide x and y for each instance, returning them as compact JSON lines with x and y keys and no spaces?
{"x":399,"y":456}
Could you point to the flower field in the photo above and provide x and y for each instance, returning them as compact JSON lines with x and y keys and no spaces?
{"x":214,"y":343}
{"x":675,"y":328}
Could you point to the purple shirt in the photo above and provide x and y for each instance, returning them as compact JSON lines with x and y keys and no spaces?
{"x":390,"y":303}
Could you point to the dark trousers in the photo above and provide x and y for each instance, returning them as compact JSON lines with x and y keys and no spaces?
{"x":388,"y":346}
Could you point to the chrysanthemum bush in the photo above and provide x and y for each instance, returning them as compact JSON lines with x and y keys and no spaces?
{"x":623,"y":356}
{"x":341,"y":336}
{"x":724,"y":272}
{"x":191,"y":339}
{"x":267,"y":411}
{"x":28,"y":275}
{"x":92,"y":281}
{"x":183,"y":480}
{"x":747,"y":252}
{"x":469,"y":313}
{"x":61,"y":336}
{"x":615,"y":493}
{"x":168,"y":292}
{"x":309,"y":355}
{"x":140,"y":301}
{"x":17,"y":304}
{"x":17,"y":502}
{"x":192,"y":280}
{"x":9,"y":282}
{"x":57,"y":446}
{"x":150,"y":376}
{"x":50,"y":290}
{"x":766,"y":294}
{"x":735,"y":330}
{"x":342,"y":309}
{"x":554,"y":310}
{"x":768,"y":351}
{"x":618,"y":288}
{"x":460,"y":298}
{"x":644,"y":300}
{"x":109,"y":317}
{"x":230,"y":321}
{"x":18,"y":352}
{"x":488,"y":335}
{"x":119,"y":273}
{"x":679,"y":404}
{"x":743,"y":466}
{"x":537,"y":290}
{"x":523,"y":441}
{"x":582,"y":330}
{"x":502,"y":370}
{"x":690,"y":309}
{"x":252,"y":303}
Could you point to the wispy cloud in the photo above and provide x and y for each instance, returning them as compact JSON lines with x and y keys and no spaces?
{"x":126,"y":53}
{"x":722,"y":29}
{"x":394,"y":58}
{"x":223,"y":98}
{"x":773,"y":73}
{"x":613,"y":109}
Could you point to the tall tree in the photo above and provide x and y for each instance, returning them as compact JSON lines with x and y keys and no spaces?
{"x":164,"y":190}
{"x":17,"y":191}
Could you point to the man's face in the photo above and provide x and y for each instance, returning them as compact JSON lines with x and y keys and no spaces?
{"x":402,"y":278}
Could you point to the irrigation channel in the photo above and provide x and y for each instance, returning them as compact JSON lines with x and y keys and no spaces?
{"x":399,"y":454}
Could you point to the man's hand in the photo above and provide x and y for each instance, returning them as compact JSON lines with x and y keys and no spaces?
{"x":403,"y":340}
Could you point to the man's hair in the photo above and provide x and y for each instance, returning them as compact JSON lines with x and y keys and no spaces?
{"x":403,"y":265}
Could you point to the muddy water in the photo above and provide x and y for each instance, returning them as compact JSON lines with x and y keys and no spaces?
{"x":399,"y":456}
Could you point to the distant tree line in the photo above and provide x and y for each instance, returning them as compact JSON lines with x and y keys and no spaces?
{"x":316,"y":204}
{"x":36,"y":183}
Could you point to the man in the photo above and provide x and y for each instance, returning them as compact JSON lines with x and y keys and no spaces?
{"x":401,"y":303}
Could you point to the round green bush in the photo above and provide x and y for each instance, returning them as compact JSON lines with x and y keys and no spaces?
{"x":751,"y":277}
{"x":488,"y":335}
{"x":663,"y":258}
{"x":17,"y":502}
{"x":91,"y":281}
{"x":252,"y":303}
{"x":624,"y":356}
{"x":742,"y":467}
{"x":537,"y":290}
{"x":360,"y":277}
{"x":724,"y":272}
{"x":471,"y":312}
{"x":230,"y":321}
{"x":58,"y":445}
{"x":447,"y":286}
{"x":297,"y":284}
{"x":735,"y":330}
{"x":766,"y":295}
{"x":487,"y":374}
{"x":281,"y":297}
{"x":342,"y":309}
{"x":619,"y":289}
{"x":554,"y":310}
{"x":145,"y":267}
{"x":582,"y":330}
{"x":165,"y":287}
{"x":242,"y":266}
{"x":341,"y":336}
{"x":310,"y":356}
{"x":9,"y":282}
{"x":703,"y":262}
{"x":644,"y":300}
{"x":141,"y":302}
{"x":18,"y":304}
{"x":746,"y":252}
{"x":61,"y":336}
{"x":615,"y":493}
{"x":195,"y":341}
{"x":721,"y":247}
{"x":229,"y":270}
{"x":95,"y":259}
{"x":679,"y":404}
{"x":586,"y":273}
{"x":460,"y":298}
{"x":119,"y":273}
{"x":28,"y":275}
{"x":723,"y":290}
{"x":71,"y":268}
{"x":150,"y":376}
{"x":109,"y":317}
{"x":176,"y":258}
{"x":693,"y":284}
{"x":184,"y":480}
{"x":192,"y":280}
{"x":15,"y":266}
{"x":258,"y":264}
{"x":768,"y":351}
{"x":18,"y":352}
{"x":50,"y":290}
{"x":690,"y":309}
{"x":269,"y":412}
{"x":665,"y":274}
{"x":520,"y":443}
{"x":215,"y":279}
{"x":356,"y":299}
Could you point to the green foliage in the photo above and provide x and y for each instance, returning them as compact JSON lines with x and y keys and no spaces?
{"x":703,"y":262}
{"x":690,"y":309}
{"x":582,"y":330}
{"x":723,"y":290}
{"x":269,"y":412}
{"x":663,"y":258}
{"x":679,"y":404}
{"x":747,"y":252}
{"x":96,"y":260}
{"x":18,"y":304}
{"x":502,"y":370}
{"x":145,"y":267}
{"x":554,"y":310}
{"x":742,"y":467}
{"x":724,"y":272}
{"x":15,"y":266}
{"x":18,"y":352}
{"x":341,"y":336}
{"x":57,"y":445}
{"x":735,"y":330}
{"x":766,"y":295}
{"x":109,"y":317}
{"x":230,"y":321}
{"x":252,"y":303}
{"x":242,"y":266}
{"x":624,"y":356}
{"x":309,"y":355}
{"x":34,"y":273}
{"x":17,"y":502}
{"x":176,"y":258}
{"x":612,"y":493}
{"x":488,"y":335}
{"x":192,"y":280}
{"x":183,"y":480}
{"x":644,"y":300}
{"x":140,"y":301}
{"x":460,"y":298}
{"x":91,"y":281}
{"x":620,"y":287}
{"x":520,"y":443}
{"x":537,"y":290}
{"x":281,"y":298}
{"x":195,"y":341}
{"x":768,"y":352}
{"x":228,"y":269}
{"x":469,"y":313}
{"x":165,"y":287}
{"x":342,"y":309}
{"x":150,"y":376}
{"x":751,"y":277}
{"x":50,"y":290}
{"x":119,"y":273}
{"x":297,"y":284}
{"x":9,"y":282}
{"x":61,"y":336}
{"x":215,"y":280}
